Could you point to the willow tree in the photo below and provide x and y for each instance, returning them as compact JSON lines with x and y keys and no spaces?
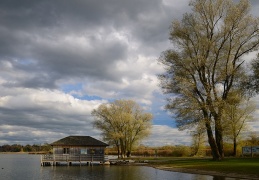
{"x":236,"y":115}
{"x":123,"y":123}
{"x":206,"y":63}
{"x":198,"y":139}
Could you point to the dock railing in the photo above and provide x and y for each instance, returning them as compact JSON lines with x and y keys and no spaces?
{"x":72,"y":158}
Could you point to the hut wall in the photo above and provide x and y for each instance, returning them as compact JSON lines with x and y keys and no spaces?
{"x":78,"y":150}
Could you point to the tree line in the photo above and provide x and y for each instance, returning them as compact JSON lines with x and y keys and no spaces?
{"x":195,"y":149}
{"x":46,"y":148}
{"x":141,"y":150}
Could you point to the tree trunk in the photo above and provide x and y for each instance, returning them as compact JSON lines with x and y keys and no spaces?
{"x":219,"y":132}
{"x":128,"y":153}
{"x":118,"y":151}
{"x":196,"y":146}
{"x":235,"y":147}
{"x":212,"y":143}
{"x":213,"y":146}
{"x":219,"y":140}
{"x":122,"y":148}
{"x":196,"y":149}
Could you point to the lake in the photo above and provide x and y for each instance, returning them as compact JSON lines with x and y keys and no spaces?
{"x":27,"y":167}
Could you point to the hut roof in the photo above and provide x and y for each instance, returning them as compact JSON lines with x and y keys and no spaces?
{"x":79,"y":141}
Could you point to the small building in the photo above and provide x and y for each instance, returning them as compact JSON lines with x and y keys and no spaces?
{"x":75,"y":149}
{"x":250,"y":151}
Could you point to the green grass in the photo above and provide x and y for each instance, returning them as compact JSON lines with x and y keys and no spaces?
{"x":244,"y":166}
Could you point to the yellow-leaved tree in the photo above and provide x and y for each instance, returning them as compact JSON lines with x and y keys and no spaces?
{"x":123,"y":123}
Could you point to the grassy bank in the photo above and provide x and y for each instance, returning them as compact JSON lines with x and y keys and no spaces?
{"x":228,"y":166}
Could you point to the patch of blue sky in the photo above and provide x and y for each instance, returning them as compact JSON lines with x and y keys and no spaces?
{"x":68,"y":88}
{"x":89,"y":98}
{"x":25,"y":62}
{"x":161,"y":116}
{"x":75,"y":89}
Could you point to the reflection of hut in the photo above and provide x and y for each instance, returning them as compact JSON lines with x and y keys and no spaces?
{"x":76,"y":149}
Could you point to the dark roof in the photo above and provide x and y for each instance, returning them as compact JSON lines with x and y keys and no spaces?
{"x":79,"y":141}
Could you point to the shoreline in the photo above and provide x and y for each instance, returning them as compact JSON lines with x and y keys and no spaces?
{"x":192,"y":171}
{"x":33,"y":153}
{"x":203,"y":172}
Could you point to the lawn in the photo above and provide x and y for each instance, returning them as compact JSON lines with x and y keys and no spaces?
{"x":242,"y":166}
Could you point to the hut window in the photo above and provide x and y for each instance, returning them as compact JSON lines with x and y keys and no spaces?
{"x":65,"y":150}
{"x":91,"y":151}
{"x":83,"y":151}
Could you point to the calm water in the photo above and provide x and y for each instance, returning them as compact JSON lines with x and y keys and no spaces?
{"x":27,"y":167}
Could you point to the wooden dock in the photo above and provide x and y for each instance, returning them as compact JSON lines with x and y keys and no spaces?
{"x":67,"y":159}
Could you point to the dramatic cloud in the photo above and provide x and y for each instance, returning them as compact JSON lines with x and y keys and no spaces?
{"x":29,"y":115}
{"x":61,"y":59}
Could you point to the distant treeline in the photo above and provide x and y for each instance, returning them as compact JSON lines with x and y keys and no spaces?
{"x":142,"y":150}
{"x":185,"y":151}
{"x":26,"y":148}
{"x":164,"y":151}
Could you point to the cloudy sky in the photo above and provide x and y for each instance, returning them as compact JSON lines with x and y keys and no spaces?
{"x":61,"y":59}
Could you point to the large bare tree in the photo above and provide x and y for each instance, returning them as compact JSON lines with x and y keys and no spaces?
{"x":123,"y":123}
{"x":205,"y":63}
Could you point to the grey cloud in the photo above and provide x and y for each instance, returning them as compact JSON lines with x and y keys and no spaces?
{"x":43,"y":117}
{"x":35,"y":31}
{"x":27,"y":15}
{"x":93,"y":62}
{"x":33,"y":114}
{"x":27,"y":32}
{"x":62,"y":60}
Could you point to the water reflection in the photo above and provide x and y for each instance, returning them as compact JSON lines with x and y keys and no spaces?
{"x":116,"y":172}
{"x":121,"y":173}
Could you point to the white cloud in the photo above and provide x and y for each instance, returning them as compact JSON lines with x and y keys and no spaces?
{"x":162,"y":135}
{"x":43,"y":115}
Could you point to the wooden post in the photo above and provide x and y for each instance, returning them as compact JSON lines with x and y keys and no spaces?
{"x":41,"y":160}
{"x":54,"y":160}
{"x":251,"y":151}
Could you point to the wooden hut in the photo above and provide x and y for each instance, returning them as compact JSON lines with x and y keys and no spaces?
{"x":76,"y":149}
